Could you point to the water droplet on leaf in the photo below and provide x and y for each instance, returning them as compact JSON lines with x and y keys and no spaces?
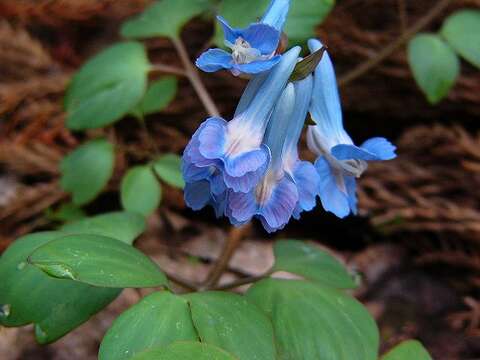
{"x":5,"y":310}
{"x":21,"y":265}
{"x":61,"y":271}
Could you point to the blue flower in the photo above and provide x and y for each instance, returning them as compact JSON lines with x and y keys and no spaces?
{"x":289,"y":185}
{"x":252,"y":49}
{"x":231,"y":155}
{"x":339,"y":161}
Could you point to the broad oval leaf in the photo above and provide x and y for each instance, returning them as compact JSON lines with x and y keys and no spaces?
{"x":158,"y":320}
{"x":313,"y":321}
{"x":140,"y":191}
{"x":185,"y":350}
{"x":121,"y":225}
{"x":434,"y":65}
{"x":408,"y":350}
{"x":55,"y":306}
{"x":159,"y":94}
{"x":312,"y":263}
{"x":232,"y":323}
{"x":98,"y":261}
{"x":462,"y":30}
{"x":302,"y":19}
{"x":163,"y":18}
{"x":107,"y":87}
{"x":87,"y":169}
{"x":169,"y":168}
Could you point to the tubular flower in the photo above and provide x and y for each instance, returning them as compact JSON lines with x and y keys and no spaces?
{"x":252,"y":49}
{"x":230,"y":155}
{"x":285,"y":189}
{"x":339,"y":161}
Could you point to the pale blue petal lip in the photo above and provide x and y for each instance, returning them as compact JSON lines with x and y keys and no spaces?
{"x":212,"y":138}
{"x":307,"y":181}
{"x":326,"y":107}
{"x":381,"y":147}
{"x":374,"y":149}
{"x":332,"y":198}
{"x":276,"y":14}
{"x":278,"y":210}
{"x":214,"y":60}
{"x":262,"y":37}
{"x":197,"y":194}
{"x":257,"y":66}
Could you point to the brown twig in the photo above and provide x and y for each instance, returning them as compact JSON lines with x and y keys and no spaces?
{"x":168,"y":69}
{"x":390,"y":49}
{"x":231,"y":244}
{"x":182,"y":282}
{"x":243,"y":281}
{"x":195,"y":80}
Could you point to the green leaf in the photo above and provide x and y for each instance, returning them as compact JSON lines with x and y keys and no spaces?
{"x":232,"y":323}
{"x":169,"y":168}
{"x":185,"y":350}
{"x":408,"y":350}
{"x":27,"y":295}
{"x":159,"y":94}
{"x":302,"y":19}
{"x":158,"y":320}
{"x":107,"y":87}
{"x":163,"y":18}
{"x":140,"y":191}
{"x":87,"y":169}
{"x":307,"y":66}
{"x":434,"y":65}
{"x":65,"y":213}
{"x":313,"y":321}
{"x":312,"y":263}
{"x":123,"y":226}
{"x":462,"y":30}
{"x":98,"y":261}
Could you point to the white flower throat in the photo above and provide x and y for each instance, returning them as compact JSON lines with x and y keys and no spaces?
{"x":243,"y":53}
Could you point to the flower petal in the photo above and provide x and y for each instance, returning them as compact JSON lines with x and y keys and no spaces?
{"x":333,"y":198}
{"x":212,"y":138}
{"x":372,"y":149}
{"x":278,"y":209}
{"x":307,"y":181}
{"x":214,"y":60}
{"x":241,"y":206}
{"x":247,"y":162}
{"x":197,"y":194}
{"x":250,"y":92}
{"x":351,"y":185}
{"x":325,"y":108}
{"x":257,"y":66}
{"x":230,"y":33}
{"x":262,"y":37}
{"x":276,"y":14}
{"x":194,"y":173}
{"x":381,"y":147}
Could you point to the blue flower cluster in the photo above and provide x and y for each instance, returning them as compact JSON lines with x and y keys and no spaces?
{"x":249,"y":167}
